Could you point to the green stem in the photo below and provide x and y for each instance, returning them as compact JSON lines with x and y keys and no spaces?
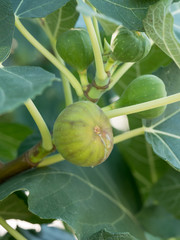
{"x":45,"y":134}
{"x":74,"y":82}
{"x":143,"y":106}
{"x":129,"y":134}
{"x":119,"y":73}
{"x":51,"y":160}
{"x":96,"y":28}
{"x":101,"y":76}
{"x":83,"y":78}
{"x":11,"y":231}
{"x":65,"y":82}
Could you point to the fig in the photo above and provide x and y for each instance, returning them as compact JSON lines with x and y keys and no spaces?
{"x":129,"y":46}
{"x":74,"y":46}
{"x":142,"y":89}
{"x":83,"y":135}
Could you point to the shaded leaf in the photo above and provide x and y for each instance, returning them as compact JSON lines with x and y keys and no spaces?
{"x":15,"y":207}
{"x":103,"y":235}
{"x":46,"y":233}
{"x":167,"y":192}
{"x":163,"y":133}
{"x":129,"y":13}
{"x":87,"y":199}
{"x":6,"y":29}
{"x":159,"y":26}
{"x":17,"y":84}
{"x":34,"y":9}
{"x":11,"y":136}
{"x":145,"y":165}
{"x":62,"y":19}
{"x":159,"y":222}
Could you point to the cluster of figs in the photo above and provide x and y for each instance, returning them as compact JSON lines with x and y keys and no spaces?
{"x":82,"y":133}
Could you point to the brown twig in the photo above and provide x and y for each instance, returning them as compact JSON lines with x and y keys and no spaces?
{"x":27,"y":160}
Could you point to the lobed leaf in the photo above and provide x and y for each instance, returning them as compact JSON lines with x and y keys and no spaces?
{"x":167,"y":193}
{"x":87,"y":199}
{"x":36,"y":9}
{"x":130,"y":13}
{"x":11,"y":136}
{"x":158,"y":25}
{"x":62,"y":19}
{"x":157,"y":221}
{"x":17,"y":84}
{"x":6,"y":29}
{"x":163,"y":133}
{"x":46,"y":233}
{"x":15,"y":207}
{"x":104,"y":235}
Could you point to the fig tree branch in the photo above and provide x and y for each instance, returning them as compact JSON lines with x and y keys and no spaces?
{"x":27,"y":160}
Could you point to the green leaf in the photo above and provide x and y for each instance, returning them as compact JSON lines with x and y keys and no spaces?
{"x":167,"y":193}
{"x":159,"y":26}
{"x":17,"y":84}
{"x":104,"y":235}
{"x":154,"y":60}
{"x":15,"y":207}
{"x":36,"y":9}
{"x":6,"y":29}
{"x":145,"y":165}
{"x":46,"y":233}
{"x":163,"y":133}
{"x":157,"y":221}
{"x":11,"y":136}
{"x":62,"y":19}
{"x":129,"y":13}
{"x":176,"y":15}
{"x":87,"y":199}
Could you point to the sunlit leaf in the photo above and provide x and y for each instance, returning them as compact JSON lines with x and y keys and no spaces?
{"x":159,"y":26}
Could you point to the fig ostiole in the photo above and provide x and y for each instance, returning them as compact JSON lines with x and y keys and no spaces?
{"x":83,"y":135}
{"x":129,"y":46}
{"x":74,"y":46}
{"x":143,"y":89}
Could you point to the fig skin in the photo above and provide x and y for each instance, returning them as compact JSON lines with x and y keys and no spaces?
{"x":142,"y":89}
{"x":83,"y":135}
{"x":74,"y":46}
{"x":129,"y":46}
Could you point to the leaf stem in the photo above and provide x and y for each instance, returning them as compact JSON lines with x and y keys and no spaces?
{"x":101,"y":76}
{"x":119,"y":73}
{"x":129,"y":134}
{"x":12,"y":231}
{"x":45,"y":134}
{"x":143,"y":106}
{"x":74,"y":82}
{"x":51,"y":160}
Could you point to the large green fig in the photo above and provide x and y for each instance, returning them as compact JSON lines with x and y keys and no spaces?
{"x":83,"y":135}
{"x":129,"y":46}
{"x":74,"y":46}
{"x":142,"y":89}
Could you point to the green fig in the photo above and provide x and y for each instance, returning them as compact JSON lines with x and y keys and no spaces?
{"x":129,"y":46}
{"x":142,"y":89}
{"x":74,"y":46}
{"x":83,"y":135}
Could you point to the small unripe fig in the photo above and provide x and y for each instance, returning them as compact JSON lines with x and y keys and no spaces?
{"x":83,"y":135}
{"x":74,"y":46}
{"x":129,"y":46}
{"x":142,"y":89}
